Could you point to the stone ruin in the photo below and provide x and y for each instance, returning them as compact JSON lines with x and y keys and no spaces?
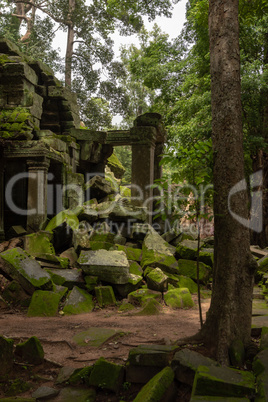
{"x":43,"y":147}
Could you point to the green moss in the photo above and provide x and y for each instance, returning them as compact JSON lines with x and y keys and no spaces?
{"x":78,"y":302}
{"x":178,"y":298}
{"x":30,"y":351}
{"x":44,"y":304}
{"x":39,"y":243}
{"x":189,"y":268}
{"x":133,"y":254}
{"x":105,"y":296}
{"x":80,"y":376}
{"x":139,"y":296}
{"x":126,"y":307}
{"x":134,"y":268}
{"x":18,"y":386}
{"x":151,"y":258}
{"x":106,"y":375}
{"x":125,"y":192}
{"x":150,"y":307}
{"x":94,"y":337}
{"x":15,"y":122}
{"x":4,"y":58}
{"x":157,"y":387}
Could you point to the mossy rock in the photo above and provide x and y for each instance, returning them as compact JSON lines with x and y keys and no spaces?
{"x":167,"y":263}
{"x":223,"y":382}
{"x":6,"y":355}
{"x":105,"y":296}
{"x":157,"y":387}
{"x":80,"y":376}
{"x":126,"y":307}
{"x":30,"y":351}
{"x":17,"y":386}
{"x":78,"y":301}
{"x":187,"y":249}
{"x":44,"y":304}
{"x":157,"y":280}
{"x":101,"y":245}
{"x":95,"y":337}
{"x":106,"y":375}
{"x":133,"y":254}
{"x":189,"y":268}
{"x":91,"y":282}
{"x":135,"y":268}
{"x":139,"y":296}
{"x":150,"y":307}
{"x":263,"y":264}
{"x":178,"y":298}
{"x":39,"y":243}
{"x":15,"y":294}
{"x":116,"y":166}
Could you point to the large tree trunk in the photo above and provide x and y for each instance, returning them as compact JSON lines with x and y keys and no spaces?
{"x":70,"y":44}
{"x":229,"y":317}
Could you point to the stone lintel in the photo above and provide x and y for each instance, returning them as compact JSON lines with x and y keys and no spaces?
{"x":144,"y":135}
{"x":61,"y":93}
{"x":118,"y":137}
{"x":81,"y":134}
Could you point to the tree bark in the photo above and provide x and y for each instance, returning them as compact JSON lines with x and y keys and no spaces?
{"x":229,"y":317}
{"x":70,"y":44}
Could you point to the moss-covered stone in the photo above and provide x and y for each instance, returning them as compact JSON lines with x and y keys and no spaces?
{"x":6,"y":355}
{"x":107,"y":375}
{"x":66,"y":277}
{"x":25,"y":270}
{"x":207,"y":256}
{"x":260,"y":362}
{"x":262,"y":387}
{"x":15,"y":294}
{"x":44,"y":304}
{"x":189,"y":268}
{"x":101,"y":245}
{"x":95,"y":337}
{"x":126,"y":307}
{"x":134,"y":283}
{"x":105,"y":296}
{"x":263,"y":264}
{"x":187,"y":249}
{"x":157,"y":387}
{"x":135,"y":268}
{"x":39,"y":243}
{"x":167,"y":263}
{"x":264,"y":337}
{"x":78,"y":301}
{"x":47,"y":260}
{"x":237,"y":353}
{"x":224,"y":382}
{"x":80,"y":376}
{"x":133,"y":254}
{"x":17,"y":386}
{"x":178,"y":298}
{"x":91,"y":282}
{"x":77,"y":394}
{"x":30,"y":351}
{"x":157,"y":280}
{"x":16,"y":123}
{"x":139,"y":296}
{"x":151,"y":355}
{"x":116,"y":166}
{"x":150,"y":307}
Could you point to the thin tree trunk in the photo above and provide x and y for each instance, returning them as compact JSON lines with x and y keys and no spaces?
{"x":229,"y":317}
{"x":69,"y":48}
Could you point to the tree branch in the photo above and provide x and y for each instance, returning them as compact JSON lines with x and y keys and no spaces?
{"x":32,"y":4}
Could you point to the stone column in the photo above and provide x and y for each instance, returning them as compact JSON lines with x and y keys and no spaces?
{"x":37,"y":193}
{"x":143,"y":167}
{"x":2,"y":202}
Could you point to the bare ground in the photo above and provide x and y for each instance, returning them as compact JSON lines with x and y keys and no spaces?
{"x":56,"y":333}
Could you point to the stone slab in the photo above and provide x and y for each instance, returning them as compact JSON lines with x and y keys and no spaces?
{"x":109,"y":266}
{"x":21,"y":267}
{"x":78,"y":301}
{"x":66,"y":277}
{"x":151,"y":355}
{"x":95,"y":337}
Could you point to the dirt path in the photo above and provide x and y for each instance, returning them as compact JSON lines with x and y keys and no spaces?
{"x":56,"y":333}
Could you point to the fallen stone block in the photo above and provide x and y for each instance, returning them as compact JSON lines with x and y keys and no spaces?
{"x":30,"y":351}
{"x":140,"y":374}
{"x":150,"y":307}
{"x":78,"y":301}
{"x":67,"y":277}
{"x":260,"y":362}
{"x":134,"y":283}
{"x":71,"y":394}
{"x":18,"y":265}
{"x":39,"y":243}
{"x":133,"y":254}
{"x":263,"y":263}
{"x":139,"y":296}
{"x":6,"y":355}
{"x":98,"y":187}
{"x":105,"y":296}
{"x":178,"y":298}
{"x":152,"y":355}
{"x":224,"y":382}
{"x":15,"y":294}
{"x":44,"y":304}
{"x":157,"y":280}
{"x":262,"y":387}
{"x":186,"y":362}
{"x":109,"y":266}
{"x":187,"y":249}
{"x":95,"y":337}
{"x":44,"y":392}
{"x":107,"y":375}
{"x":157,"y":388}
{"x":71,"y":255}
{"x":189,"y":268}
